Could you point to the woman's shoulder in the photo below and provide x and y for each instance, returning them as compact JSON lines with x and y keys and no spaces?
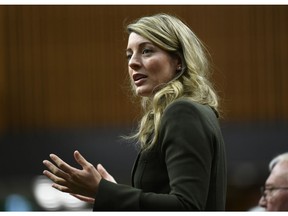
{"x":186,"y":104}
{"x":190,"y":112}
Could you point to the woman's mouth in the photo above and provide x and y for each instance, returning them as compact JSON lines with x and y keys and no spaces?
{"x":139,"y":79}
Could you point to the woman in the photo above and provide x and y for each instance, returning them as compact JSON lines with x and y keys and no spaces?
{"x":181,"y":164}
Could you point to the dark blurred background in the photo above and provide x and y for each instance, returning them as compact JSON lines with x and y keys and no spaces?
{"x":63,"y":86}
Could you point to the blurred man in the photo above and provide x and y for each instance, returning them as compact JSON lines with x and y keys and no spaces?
{"x":275,"y":192}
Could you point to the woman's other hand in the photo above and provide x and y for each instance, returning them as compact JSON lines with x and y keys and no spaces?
{"x":81,"y":183}
{"x":105,"y":174}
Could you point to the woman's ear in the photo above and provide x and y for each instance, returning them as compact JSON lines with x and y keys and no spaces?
{"x":179,"y":68}
{"x":179,"y":65}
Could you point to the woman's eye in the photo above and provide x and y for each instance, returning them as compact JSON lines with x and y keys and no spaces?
{"x":128,"y":56}
{"x":146,"y":51}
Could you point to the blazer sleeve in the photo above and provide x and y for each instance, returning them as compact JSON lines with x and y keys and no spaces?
{"x":186,"y":144}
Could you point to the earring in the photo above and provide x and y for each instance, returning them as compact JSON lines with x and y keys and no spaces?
{"x":179,"y":68}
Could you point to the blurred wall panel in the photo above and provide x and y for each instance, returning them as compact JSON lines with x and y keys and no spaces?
{"x":65,"y":69}
{"x":2,"y":70}
{"x":65,"y":66}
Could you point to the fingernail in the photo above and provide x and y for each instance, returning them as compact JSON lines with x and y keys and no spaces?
{"x":51,"y":156}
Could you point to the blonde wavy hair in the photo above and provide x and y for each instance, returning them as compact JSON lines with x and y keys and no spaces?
{"x":172,"y":35}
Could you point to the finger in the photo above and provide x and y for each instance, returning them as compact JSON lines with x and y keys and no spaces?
{"x":54,"y":178}
{"x":61,"y":164}
{"x":81,"y":160}
{"x":61,"y":188}
{"x":55,"y":170}
{"x":83,"y":198}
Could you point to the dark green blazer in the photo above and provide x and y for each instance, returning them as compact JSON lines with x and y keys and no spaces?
{"x":185,"y":171}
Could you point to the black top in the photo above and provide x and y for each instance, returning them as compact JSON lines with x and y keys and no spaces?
{"x":185,"y":171}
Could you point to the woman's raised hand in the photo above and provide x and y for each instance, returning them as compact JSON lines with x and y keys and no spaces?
{"x":79,"y":182}
{"x":104,"y":175}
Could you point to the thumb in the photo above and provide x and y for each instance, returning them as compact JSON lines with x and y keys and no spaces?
{"x":104,"y":173}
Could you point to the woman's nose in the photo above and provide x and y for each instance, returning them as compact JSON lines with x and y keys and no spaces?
{"x":134,"y":62}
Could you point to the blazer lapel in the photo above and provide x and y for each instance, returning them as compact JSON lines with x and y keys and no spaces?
{"x":134,"y":168}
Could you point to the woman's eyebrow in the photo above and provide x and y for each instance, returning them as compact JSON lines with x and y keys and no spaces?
{"x":140,"y":45}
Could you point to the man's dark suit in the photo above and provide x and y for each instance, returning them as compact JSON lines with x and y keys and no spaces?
{"x":186,"y":170}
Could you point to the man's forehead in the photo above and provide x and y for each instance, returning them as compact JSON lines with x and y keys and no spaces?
{"x":282,"y":166}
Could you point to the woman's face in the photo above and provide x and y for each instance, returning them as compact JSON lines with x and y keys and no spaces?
{"x":148,"y":65}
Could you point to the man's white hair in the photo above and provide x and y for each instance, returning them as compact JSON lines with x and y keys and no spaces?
{"x":277,"y":159}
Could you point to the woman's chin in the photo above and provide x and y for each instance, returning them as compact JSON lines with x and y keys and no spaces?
{"x":142,"y":92}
